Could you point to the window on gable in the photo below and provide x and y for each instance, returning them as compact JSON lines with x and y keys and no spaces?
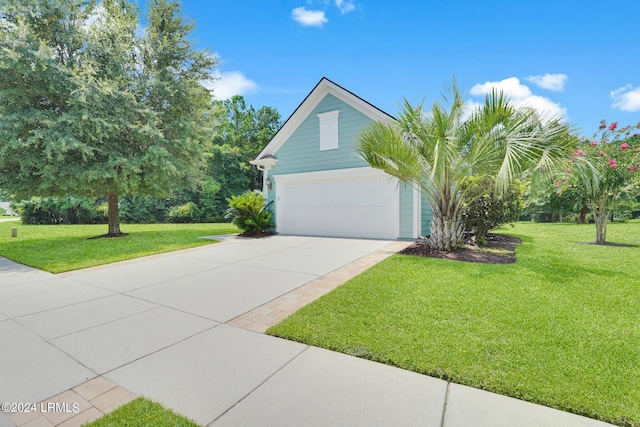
{"x":329,"y":130}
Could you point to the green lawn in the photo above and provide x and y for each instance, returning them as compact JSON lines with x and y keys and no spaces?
{"x":561,"y":327}
{"x":142,"y":413}
{"x":59,"y":248}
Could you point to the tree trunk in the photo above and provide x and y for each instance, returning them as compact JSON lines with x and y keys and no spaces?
{"x":583,"y":214}
{"x":446,"y":234}
{"x":113,"y":215}
{"x":600,"y":216}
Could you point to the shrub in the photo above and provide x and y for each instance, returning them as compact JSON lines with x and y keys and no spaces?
{"x":490,"y":210}
{"x":54,"y":210}
{"x":188,"y":212}
{"x":249,"y":212}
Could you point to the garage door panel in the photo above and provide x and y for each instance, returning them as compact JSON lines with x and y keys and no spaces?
{"x":360,"y":206}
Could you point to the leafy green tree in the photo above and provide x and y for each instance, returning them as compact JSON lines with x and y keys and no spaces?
{"x":88,"y":107}
{"x":548,"y":203}
{"x":437,"y":151}
{"x":247,"y":129}
{"x":241,"y":133}
{"x":606,"y":166}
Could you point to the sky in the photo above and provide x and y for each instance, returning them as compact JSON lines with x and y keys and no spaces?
{"x":574,"y":59}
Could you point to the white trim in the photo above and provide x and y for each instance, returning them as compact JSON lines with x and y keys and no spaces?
{"x":324,"y":87}
{"x":268,"y":162}
{"x":329,"y":136}
{"x":329,"y":174}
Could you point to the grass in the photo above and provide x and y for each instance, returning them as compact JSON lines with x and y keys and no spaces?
{"x":561,"y":327}
{"x":142,"y":413}
{"x":59,"y":248}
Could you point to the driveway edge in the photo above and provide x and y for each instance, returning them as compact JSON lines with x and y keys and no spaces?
{"x":263,"y":317}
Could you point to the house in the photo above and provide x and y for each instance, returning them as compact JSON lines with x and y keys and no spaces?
{"x":320,"y":186}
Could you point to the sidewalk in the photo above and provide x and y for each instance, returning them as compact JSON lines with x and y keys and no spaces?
{"x":184,"y":329}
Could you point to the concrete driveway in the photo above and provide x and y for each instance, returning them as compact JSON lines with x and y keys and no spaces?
{"x":156,"y":327}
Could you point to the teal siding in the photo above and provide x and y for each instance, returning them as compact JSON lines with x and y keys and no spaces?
{"x":301,"y":153}
{"x":406,"y":212}
{"x":427,"y":216}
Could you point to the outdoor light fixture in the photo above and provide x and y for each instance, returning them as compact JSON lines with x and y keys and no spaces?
{"x":269,"y":183}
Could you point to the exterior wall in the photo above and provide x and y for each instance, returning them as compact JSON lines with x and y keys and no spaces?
{"x":406,"y":212}
{"x":301,"y":152}
{"x":427,"y":216}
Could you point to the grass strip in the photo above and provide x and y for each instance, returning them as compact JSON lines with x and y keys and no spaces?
{"x":60,"y":248}
{"x":142,"y":412}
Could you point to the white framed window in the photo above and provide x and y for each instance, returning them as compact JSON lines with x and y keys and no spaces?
{"x":329,"y":130}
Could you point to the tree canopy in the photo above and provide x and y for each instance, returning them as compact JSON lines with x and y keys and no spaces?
{"x":89,"y":106}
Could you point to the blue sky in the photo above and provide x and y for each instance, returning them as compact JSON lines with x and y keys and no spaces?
{"x":579,"y":59}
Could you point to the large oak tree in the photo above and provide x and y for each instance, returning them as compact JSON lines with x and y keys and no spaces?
{"x":92,"y":105}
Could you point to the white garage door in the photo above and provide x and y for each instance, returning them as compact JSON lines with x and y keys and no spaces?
{"x":359,"y":202}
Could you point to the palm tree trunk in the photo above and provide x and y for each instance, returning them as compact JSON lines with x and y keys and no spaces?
{"x":446,"y":234}
{"x":113,"y":215}
{"x":447,"y":228}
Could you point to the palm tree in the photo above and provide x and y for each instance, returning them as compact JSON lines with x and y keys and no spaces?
{"x":439,"y":151}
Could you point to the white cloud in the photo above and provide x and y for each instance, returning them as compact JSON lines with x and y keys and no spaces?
{"x":511,"y":87}
{"x":522,"y":96}
{"x":554,"y":82}
{"x":626,"y":98}
{"x":345,"y":6}
{"x":225,"y":85}
{"x":309,"y":18}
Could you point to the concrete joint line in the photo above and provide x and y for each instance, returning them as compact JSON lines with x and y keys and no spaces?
{"x":259,"y":385}
{"x":444,"y":408}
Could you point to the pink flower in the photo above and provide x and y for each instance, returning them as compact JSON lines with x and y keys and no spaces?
{"x":557,"y":183}
{"x":601,"y":153}
{"x":568,"y":170}
{"x":603,"y":125}
{"x":624,"y":146}
{"x":594,"y":143}
{"x":613,"y":163}
{"x":613,"y":126}
{"x":580,"y":153}
{"x":633,"y":168}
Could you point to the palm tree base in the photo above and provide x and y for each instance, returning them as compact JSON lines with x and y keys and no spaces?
{"x":446,"y":235}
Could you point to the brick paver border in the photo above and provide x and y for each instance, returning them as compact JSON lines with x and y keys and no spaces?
{"x":261,"y":318}
{"x":72,"y":408}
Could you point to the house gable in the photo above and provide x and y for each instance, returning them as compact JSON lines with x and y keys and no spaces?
{"x":309,"y":107}
{"x":303,"y":151}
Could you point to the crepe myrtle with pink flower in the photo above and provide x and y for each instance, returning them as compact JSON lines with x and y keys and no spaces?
{"x":606,"y":166}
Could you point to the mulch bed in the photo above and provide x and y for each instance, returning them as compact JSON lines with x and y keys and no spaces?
{"x":499,"y":249}
{"x":258,"y":235}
